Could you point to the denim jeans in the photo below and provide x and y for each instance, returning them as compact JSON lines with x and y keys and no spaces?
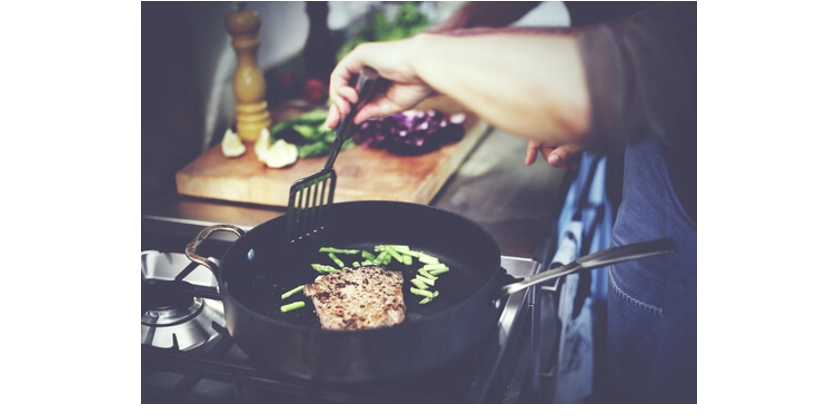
{"x":652,"y":302}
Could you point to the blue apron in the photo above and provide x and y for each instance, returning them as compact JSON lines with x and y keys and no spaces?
{"x":652,"y":302}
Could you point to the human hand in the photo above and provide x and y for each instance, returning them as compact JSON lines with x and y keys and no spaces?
{"x":564,"y":157}
{"x":393,"y":62}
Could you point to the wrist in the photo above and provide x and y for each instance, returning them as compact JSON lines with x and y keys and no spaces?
{"x":420,"y":51}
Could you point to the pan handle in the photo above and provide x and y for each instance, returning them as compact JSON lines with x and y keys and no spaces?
{"x":595,"y":260}
{"x":191,"y":248}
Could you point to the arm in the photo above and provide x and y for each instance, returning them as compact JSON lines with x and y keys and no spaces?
{"x":601,"y":85}
{"x":529,"y":84}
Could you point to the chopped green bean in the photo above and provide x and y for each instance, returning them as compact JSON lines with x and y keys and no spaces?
{"x":381,"y":258}
{"x":438,"y":271}
{"x":426,"y":274}
{"x":355,"y":264}
{"x":292,"y":292}
{"x":419,"y":283}
{"x":424,"y":280}
{"x":338,"y":250}
{"x":421,"y":292}
{"x":436,"y":293}
{"x":368,"y":255}
{"x":425,"y":300}
{"x":324,"y":269}
{"x":400,"y":248}
{"x":427,"y":259}
{"x":395,"y":255}
{"x":337,"y":260}
{"x":365,"y":263}
{"x":408,"y":252}
{"x":292,"y":306}
{"x":432,"y":267}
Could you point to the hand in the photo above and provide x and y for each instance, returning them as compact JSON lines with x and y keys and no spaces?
{"x":564,"y":157}
{"x":393,"y":61}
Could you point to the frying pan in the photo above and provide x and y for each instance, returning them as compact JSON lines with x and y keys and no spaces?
{"x":261,"y":265}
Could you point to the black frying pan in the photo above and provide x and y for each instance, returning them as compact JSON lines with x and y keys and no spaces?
{"x":260,"y":265}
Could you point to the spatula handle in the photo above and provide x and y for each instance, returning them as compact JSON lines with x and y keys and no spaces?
{"x":365,"y":84}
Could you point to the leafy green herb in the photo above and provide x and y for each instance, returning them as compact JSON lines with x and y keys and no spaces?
{"x":408,"y":21}
{"x":314,"y":138}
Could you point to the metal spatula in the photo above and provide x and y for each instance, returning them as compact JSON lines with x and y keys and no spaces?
{"x":310,"y":198}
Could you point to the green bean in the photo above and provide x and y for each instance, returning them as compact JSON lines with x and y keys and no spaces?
{"x":395,"y":255}
{"x":432,"y":267}
{"x":426,"y":274}
{"x":438,"y":271}
{"x":292,"y":306}
{"x":427,"y":259}
{"x":292,"y":292}
{"x":337,"y":260}
{"x":420,"y":284}
{"x":324,"y":269}
{"x":425,"y":300}
{"x":424,"y":280}
{"x":420,"y":292}
{"x":338,"y":250}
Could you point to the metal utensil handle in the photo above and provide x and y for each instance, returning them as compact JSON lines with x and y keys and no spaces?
{"x":365,"y":84}
{"x":595,"y":260}
{"x":191,"y":248}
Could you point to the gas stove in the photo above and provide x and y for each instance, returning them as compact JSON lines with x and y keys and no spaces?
{"x":188,"y":355}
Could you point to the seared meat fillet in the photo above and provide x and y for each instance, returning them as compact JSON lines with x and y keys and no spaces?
{"x":358,"y":298}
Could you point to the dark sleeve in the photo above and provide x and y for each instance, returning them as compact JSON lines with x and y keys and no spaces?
{"x":485,"y":14}
{"x":641,"y":75}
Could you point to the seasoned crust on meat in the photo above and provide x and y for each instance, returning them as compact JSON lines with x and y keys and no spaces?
{"x":358,"y":298}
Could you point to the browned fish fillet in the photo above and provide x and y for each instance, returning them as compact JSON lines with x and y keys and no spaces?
{"x":358,"y":298}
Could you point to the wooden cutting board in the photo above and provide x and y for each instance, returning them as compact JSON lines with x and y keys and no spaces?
{"x":363,"y":174}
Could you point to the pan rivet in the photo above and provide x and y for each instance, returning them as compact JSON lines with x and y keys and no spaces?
{"x":251,"y":255}
{"x":496,"y":303}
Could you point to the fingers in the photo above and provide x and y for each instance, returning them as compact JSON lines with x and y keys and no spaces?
{"x":341,"y":93}
{"x":565,"y":156}
{"x":531,"y":151}
{"x":341,"y":105}
{"x":349,"y":96}
{"x":333,"y":119}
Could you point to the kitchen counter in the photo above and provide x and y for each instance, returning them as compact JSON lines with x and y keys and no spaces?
{"x":515,"y":203}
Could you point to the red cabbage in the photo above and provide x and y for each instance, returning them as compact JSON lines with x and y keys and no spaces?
{"x":411,"y":133}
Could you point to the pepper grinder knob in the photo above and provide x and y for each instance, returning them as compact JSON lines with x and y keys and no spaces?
{"x":249,"y":87}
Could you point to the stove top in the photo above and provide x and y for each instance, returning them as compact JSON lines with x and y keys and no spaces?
{"x":188,"y":355}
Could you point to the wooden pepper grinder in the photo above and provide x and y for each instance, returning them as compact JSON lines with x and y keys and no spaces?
{"x":249,"y":87}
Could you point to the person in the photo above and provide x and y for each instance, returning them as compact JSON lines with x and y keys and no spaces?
{"x":624,"y":87}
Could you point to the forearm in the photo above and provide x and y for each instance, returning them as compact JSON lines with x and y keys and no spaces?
{"x":532,"y":86}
